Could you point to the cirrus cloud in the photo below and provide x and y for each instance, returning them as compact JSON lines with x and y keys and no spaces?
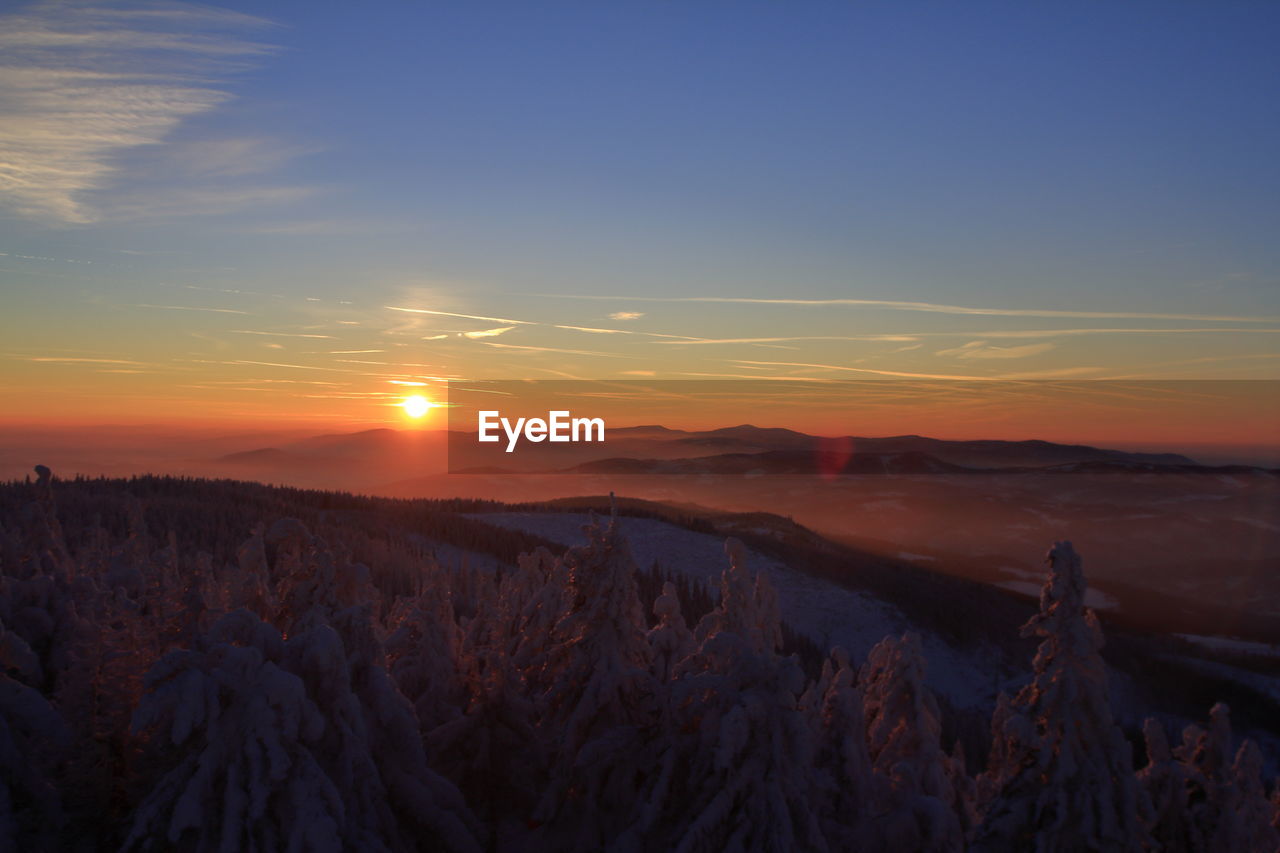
{"x":81,"y":84}
{"x":982,"y":349}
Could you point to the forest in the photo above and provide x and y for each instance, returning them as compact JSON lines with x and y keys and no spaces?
{"x":219,"y":666}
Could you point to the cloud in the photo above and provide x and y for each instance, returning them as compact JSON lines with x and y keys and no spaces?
{"x":281,"y":335}
{"x":233,"y":156}
{"x":506,"y":320}
{"x":278,"y":364}
{"x":930,"y":307}
{"x":168,"y":203}
{"x":69,"y":360}
{"x":192,"y":308}
{"x":488,"y":333}
{"x":626,"y":315}
{"x":981,"y":349}
{"x":83,"y":84}
{"x":1057,"y":373}
{"x":868,"y":370}
{"x":554,"y":349}
{"x":791,"y":338}
{"x":1054,"y":333}
{"x":596,"y":331}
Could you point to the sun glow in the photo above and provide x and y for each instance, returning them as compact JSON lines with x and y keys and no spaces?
{"x":416,"y":405}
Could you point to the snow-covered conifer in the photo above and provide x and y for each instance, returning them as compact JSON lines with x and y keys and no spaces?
{"x":371,"y":747}
{"x":671,"y":640}
{"x":1226,"y":797}
{"x":241,"y":736}
{"x":734,"y":772}
{"x":1064,"y":780}
{"x":601,"y":703}
{"x":748,"y":605}
{"x":842,"y":765}
{"x":1164,"y":784}
{"x":32,"y":736}
{"x":1248,"y":809}
{"x":423,"y":656}
{"x":915,"y":803}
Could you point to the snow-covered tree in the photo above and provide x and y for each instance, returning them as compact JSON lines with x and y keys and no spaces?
{"x":1163,"y":781}
{"x":32,"y":736}
{"x":533,"y":618}
{"x":748,"y":605}
{"x":601,"y":704}
{"x":1226,"y":799}
{"x":242,"y":737}
{"x":734,"y":770}
{"x":1249,"y":823}
{"x":842,"y":764}
{"x":371,"y":746}
{"x":423,"y":654}
{"x":670,"y":640}
{"x":493,"y":751}
{"x":915,"y":800}
{"x":1062,"y":771}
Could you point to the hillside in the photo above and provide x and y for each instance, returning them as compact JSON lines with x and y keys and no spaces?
{"x":482,"y":664}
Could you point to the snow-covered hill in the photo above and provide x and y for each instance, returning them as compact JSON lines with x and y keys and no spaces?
{"x":826,"y":612}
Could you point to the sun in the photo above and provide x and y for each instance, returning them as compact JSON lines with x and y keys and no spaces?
{"x":416,"y":405}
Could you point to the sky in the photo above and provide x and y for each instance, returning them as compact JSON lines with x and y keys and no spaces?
{"x":299,"y":213}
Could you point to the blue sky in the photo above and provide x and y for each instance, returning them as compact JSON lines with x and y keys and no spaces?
{"x":311,"y":166}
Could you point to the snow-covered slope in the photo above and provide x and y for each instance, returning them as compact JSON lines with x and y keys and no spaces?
{"x":828,"y":613}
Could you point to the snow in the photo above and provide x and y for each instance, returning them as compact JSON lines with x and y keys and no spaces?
{"x":1097,"y":599}
{"x":1231,"y":644}
{"x":828,"y":613}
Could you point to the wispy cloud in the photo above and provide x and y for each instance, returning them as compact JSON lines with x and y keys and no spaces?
{"x":152,"y":204}
{"x":281,"y":335}
{"x":982,"y":349}
{"x":930,"y":307}
{"x":191,"y":308}
{"x":278,"y":364}
{"x":1057,"y":373}
{"x":506,"y":320}
{"x":1055,"y":333}
{"x":488,"y":333}
{"x":700,"y":341}
{"x":595,"y":331}
{"x":555,"y":349}
{"x":233,"y":157}
{"x":867,"y":370}
{"x":626,"y":315}
{"x":85,"y":83}
{"x":69,"y":360}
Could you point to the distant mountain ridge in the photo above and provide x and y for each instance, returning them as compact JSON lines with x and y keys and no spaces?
{"x":982,"y":453}
{"x":371,"y":456}
{"x":790,"y":462}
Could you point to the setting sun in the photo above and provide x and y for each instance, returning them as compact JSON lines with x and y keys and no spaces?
{"x":415,"y":406}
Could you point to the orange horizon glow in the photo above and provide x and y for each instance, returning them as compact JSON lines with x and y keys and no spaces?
{"x":1239,"y":413}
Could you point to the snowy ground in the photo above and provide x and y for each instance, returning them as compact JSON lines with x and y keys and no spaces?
{"x":1095,"y":598}
{"x":830,"y":614}
{"x":1230,"y":644}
